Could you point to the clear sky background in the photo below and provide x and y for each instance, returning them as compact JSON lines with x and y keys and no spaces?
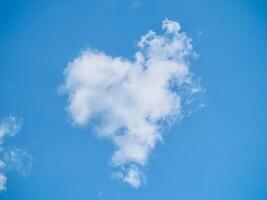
{"x":219,"y":152}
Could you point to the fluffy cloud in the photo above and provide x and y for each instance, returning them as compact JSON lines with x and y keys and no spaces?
{"x":12,"y":158}
{"x":130,"y":102}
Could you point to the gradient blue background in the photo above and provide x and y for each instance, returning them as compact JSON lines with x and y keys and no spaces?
{"x":219,"y":153}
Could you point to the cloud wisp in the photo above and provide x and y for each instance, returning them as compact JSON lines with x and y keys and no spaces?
{"x":129,"y":102}
{"x":11,"y":158}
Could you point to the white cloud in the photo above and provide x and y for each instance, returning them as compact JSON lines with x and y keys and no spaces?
{"x":2,"y":176}
{"x":136,"y":4}
{"x":133,"y":177}
{"x":19,"y":160}
{"x":10,"y":158}
{"x":9,"y":126}
{"x":130,"y":102}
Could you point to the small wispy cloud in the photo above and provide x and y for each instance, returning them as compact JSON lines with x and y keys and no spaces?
{"x":11,"y":158}
{"x":130,"y":102}
{"x":136,"y":4}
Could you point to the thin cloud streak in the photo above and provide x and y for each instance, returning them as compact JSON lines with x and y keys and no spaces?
{"x":11,"y":158}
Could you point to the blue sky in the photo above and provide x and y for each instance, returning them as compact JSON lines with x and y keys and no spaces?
{"x":219,"y":152}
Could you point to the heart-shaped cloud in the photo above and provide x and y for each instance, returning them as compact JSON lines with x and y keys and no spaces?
{"x":130,"y":101}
